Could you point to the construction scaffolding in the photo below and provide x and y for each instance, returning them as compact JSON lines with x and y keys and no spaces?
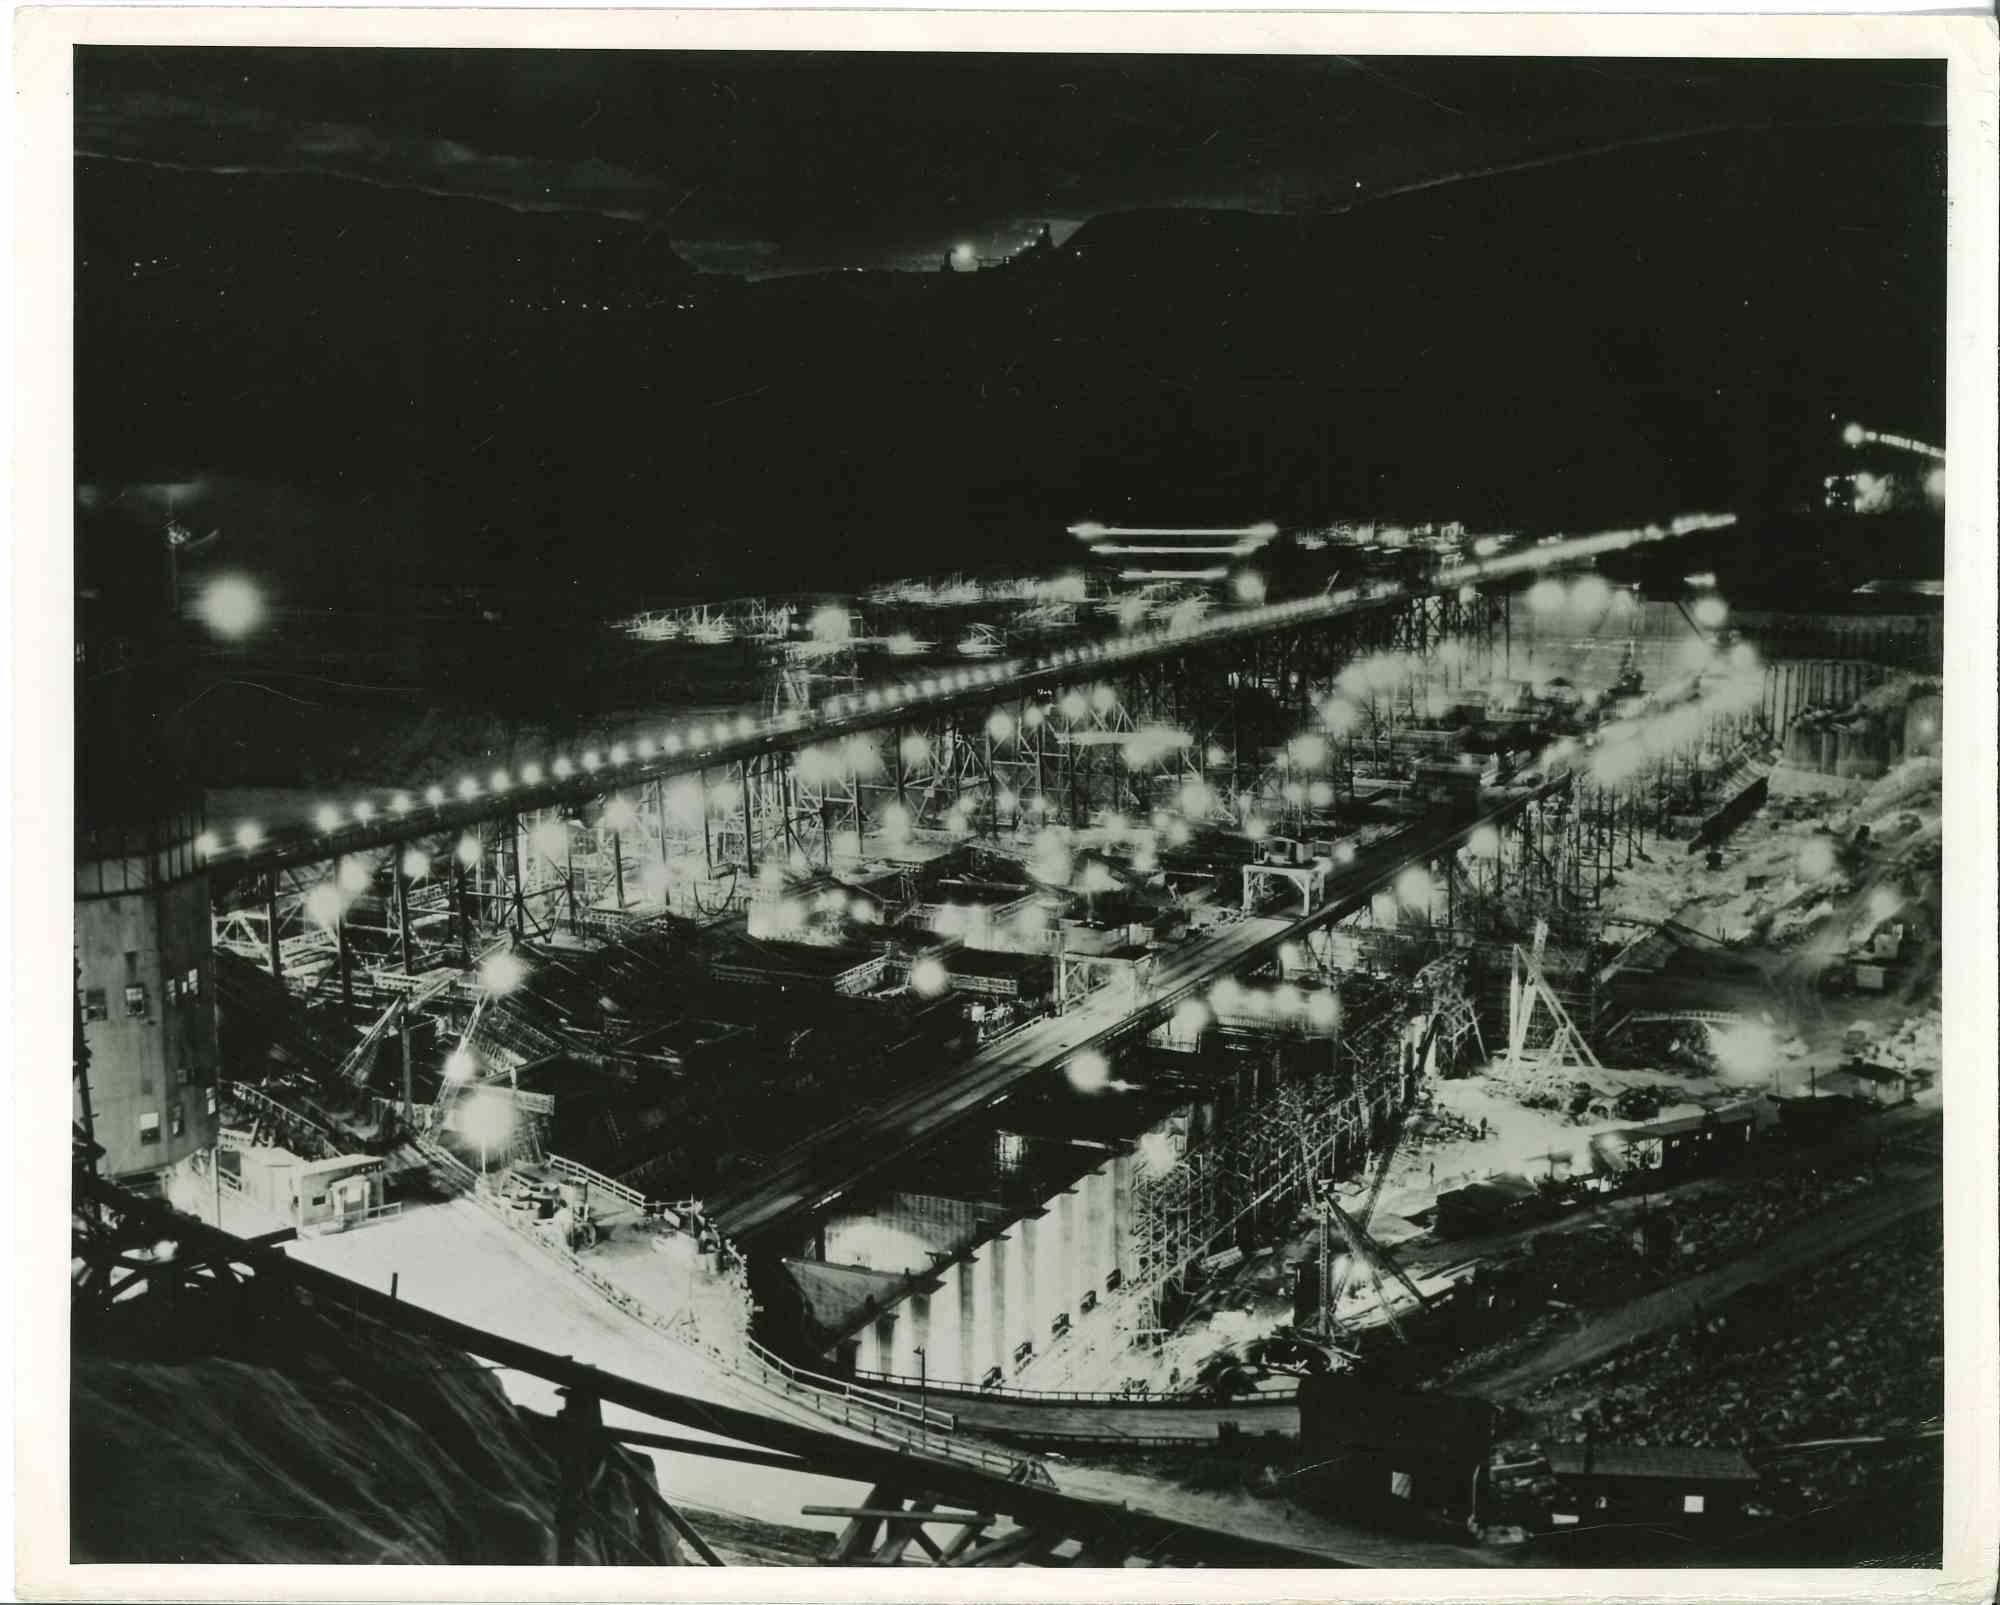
{"x":1332,"y":1102}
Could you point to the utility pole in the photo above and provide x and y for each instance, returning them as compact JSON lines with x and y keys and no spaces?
{"x":409,"y":1097}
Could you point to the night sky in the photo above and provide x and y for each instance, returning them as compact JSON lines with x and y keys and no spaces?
{"x":783,"y":163}
{"x":387,"y":319}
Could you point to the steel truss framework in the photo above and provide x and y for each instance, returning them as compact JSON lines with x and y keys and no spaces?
{"x":1212,"y":734}
{"x":998,"y":769}
{"x":1334,"y":1095}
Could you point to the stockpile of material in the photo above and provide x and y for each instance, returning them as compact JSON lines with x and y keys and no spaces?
{"x":1852,"y":1348}
{"x":1606,"y":1264}
{"x":1721,"y":1227}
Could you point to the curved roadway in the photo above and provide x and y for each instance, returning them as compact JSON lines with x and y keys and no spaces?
{"x":1055,"y":1419}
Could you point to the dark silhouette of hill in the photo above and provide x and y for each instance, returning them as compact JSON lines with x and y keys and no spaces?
{"x":557,"y":396}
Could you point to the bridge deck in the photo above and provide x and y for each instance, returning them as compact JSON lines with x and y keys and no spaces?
{"x":889,"y":704}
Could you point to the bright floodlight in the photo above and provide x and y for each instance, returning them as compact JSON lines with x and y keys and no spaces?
{"x":433,"y":795}
{"x":354,"y":877}
{"x":1710,"y":611}
{"x":1088,"y":1072}
{"x":1816,"y":858}
{"x":564,"y":768}
{"x":1250,"y":587}
{"x":248,"y":835}
{"x":461,"y":1065}
{"x":1694,"y":653}
{"x":591,"y":761}
{"x":550,"y":840}
{"x":531,"y":774}
{"x":1934,"y":484}
{"x":619,"y":814}
{"x":323,"y":904}
{"x":831,"y":623}
{"x":619,"y":752}
{"x":999,"y":724}
{"x":1190,"y":1017}
{"x":1590,"y":594}
{"x":502,"y":973}
{"x":1854,"y":434}
{"x":206,"y":844}
{"x":1745,"y":1050}
{"x":416,"y":864}
{"x":468,"y":788}
{"x":1413,"y":886}
{"x":327,"y":817}
{"x":231,"y":606}
{"x":1309,"y":750}
{"x":468,"y":850}
{"x":1485,"y":842}
{"x":1547,"y":596}
{"x":486,"y":1119}
{"x":498,"y":780}
{"x":929,"y":978}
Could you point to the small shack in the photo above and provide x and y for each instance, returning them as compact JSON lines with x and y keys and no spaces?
{"x":1876,"y":1084}
{"x":1674,"y":1484}
{"x":1379,"y":1441}
{"x":1487,"y":1206}
{"x":313,"y":1194}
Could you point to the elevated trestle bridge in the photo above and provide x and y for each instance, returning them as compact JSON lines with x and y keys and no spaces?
{"x":1199,"y":721}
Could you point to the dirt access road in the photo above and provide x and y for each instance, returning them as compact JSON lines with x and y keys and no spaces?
{"x":1833,"y":1233}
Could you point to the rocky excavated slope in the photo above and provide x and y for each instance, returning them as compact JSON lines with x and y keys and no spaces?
{"x":305,"y":1438}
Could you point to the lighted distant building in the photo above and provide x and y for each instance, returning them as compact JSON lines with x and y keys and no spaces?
{"x":146,"y":984}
